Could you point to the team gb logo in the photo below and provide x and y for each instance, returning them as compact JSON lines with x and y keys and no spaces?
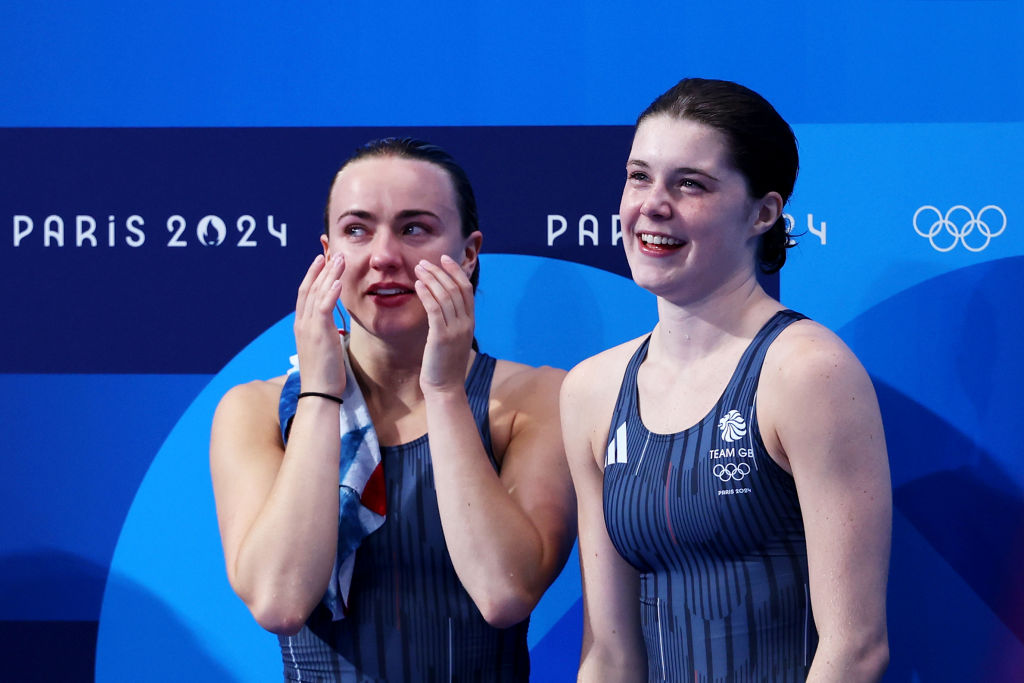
{"x":732,"y":426}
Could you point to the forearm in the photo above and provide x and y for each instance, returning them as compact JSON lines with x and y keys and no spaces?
{"x":613,"y":664}
{"x":284,"y":561}
{"x":497,"y":551}
{"x":613,"y":647}
{"x":850,"y":660}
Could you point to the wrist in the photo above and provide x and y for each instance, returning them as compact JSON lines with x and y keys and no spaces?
{"x":321,"y":395}
{"x":442,"y":393}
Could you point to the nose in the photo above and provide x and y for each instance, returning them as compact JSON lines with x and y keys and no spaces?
{"x":656,"y":204}
{"x":386,"y":252}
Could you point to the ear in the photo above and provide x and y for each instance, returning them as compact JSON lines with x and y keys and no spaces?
{"x":769,"y":209}
{"x":323,"y":243}
{"x":471,"y":252}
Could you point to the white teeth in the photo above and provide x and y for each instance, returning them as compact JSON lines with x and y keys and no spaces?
{"x":389,"y":291}
{"x":659,"y":239}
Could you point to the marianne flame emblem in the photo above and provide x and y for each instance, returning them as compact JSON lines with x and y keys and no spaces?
{"x":732,"y":426}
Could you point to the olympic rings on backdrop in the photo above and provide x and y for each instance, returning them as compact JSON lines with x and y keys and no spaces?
{"x":959,"y":233}
{"x":731,"y":471}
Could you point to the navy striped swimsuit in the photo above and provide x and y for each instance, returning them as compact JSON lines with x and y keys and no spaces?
{"x":713,"y":525}
{"x":409,"y":617}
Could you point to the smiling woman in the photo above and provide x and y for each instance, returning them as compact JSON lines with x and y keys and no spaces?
{"x":425,"y":566}
{"x":730,"y":467}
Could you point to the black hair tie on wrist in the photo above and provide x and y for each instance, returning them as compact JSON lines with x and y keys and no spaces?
{"x":329,"y":397}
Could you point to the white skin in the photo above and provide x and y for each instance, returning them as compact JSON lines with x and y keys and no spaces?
{"x":816,"y":408}
{"x":396,"y":257}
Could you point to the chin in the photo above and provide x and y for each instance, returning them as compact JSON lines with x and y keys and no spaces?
{"x":397,"y":324}
{"x":654,"y":280}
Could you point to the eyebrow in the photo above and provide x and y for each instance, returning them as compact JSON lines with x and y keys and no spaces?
{"x":682,"y":170}
{"x":362,"y":214}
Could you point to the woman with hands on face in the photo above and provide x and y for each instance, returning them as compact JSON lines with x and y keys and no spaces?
{"x":480,"y":512}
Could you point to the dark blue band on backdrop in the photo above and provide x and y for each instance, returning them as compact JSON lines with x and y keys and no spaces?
{"x":165,"y":250}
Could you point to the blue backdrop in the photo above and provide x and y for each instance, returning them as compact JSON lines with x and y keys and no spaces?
{"x":164,"y":168}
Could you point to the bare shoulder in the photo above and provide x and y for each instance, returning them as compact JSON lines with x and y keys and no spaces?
{"x":807,"y":355}
{"x":524,"y":400}
{"x":594,"y":379}
{"x":253,"y":394}
{"x":249,"y":407}
{"x":587,"y":402}
{"x":816,"y":399}
{"x":519,"y":384}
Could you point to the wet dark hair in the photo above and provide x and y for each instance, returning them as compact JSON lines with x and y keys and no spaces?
{"x":419,"y":150}
{"x":761,"y":143}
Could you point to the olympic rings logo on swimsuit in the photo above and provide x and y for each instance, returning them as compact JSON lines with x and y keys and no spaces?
{"x":970,"y":233}
{"x":731,"y":471}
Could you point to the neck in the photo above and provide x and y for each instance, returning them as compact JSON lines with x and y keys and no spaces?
{"x":388,"y":370}
{"x":696,"y":328}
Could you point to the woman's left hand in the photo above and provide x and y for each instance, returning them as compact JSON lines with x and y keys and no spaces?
{"x":447,"y":296}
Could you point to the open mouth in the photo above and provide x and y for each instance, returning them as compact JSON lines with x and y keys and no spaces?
{"x":654,"y":242}
{"x":389,"y":290}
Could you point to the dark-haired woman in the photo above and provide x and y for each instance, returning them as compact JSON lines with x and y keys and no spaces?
{"x":478,"y":511}
{"x":730,"y":467}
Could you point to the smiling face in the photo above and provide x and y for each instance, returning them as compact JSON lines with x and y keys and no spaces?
{"x":385,"y":214}
{"x":689,"y":224}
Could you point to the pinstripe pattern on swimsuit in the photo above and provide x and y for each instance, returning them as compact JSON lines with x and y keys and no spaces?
{"x":713,"y":524}
{"x":410,"y":619}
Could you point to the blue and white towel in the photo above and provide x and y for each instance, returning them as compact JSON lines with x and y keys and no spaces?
{"x":361,"y":489}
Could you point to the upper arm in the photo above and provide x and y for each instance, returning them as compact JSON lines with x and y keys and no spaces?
{"x":827,"y":427}
{"x":245,"y":456}
{"x":612,"y":636}
{"x":533,"y":467}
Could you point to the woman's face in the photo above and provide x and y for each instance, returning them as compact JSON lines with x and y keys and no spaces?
{"x":385,"y":215}
{"x":689,"y":225}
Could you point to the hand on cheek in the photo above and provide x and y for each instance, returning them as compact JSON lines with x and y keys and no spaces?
{"x":447,"y":296}
{"x":316,"y":336}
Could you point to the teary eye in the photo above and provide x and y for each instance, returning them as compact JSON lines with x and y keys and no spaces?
{"x":414,"y":229}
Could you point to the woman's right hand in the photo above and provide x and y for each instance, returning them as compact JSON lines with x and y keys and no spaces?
{"x":316,"y":335}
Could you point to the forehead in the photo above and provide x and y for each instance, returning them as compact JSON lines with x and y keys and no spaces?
{"x":394,"y":182}
{"x":667,"y":141}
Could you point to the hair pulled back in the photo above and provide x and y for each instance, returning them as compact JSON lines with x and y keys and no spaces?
{"x":761,"y":145}
{"x":419,"y":150}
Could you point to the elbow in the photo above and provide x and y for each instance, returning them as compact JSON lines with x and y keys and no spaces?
{"x":872,"y":655}
{"x":504,"y":604}
{"x":278,"y":606}
{"x":278,"y":618}
{"x":505,"y":616}
{"x":504,"y":609}
{"x":875,"y":659}
{"x":861,"y":659}
{"x":281,"y":605}
{"x":868,"y":663}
